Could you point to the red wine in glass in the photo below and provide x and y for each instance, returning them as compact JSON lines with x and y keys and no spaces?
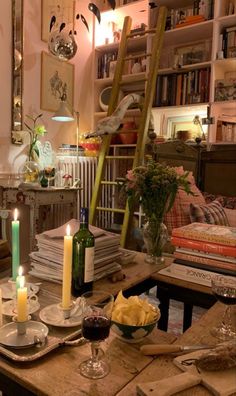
{"x":224,"y":288}
{"x":96,"y":328}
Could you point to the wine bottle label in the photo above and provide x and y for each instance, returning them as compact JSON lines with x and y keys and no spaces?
{"x":89,"y":264}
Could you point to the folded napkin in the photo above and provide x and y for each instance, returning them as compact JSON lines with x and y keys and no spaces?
{"x":168,"y":386}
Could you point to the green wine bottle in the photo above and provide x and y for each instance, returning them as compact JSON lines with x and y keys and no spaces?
{"x":83,"y":257}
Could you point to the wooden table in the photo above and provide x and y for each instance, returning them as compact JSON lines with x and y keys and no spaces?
{"x":57,"y":373}
{"x":163,"y":366}
{"x":189,"y":293}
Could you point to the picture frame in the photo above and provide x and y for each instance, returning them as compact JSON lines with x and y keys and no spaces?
{"x":181,"y":123}
{"x":57,"y":77}
{"x":193,"y":53}
{"x":63,"y":10}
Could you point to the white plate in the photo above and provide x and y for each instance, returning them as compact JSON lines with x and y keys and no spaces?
{"x":53,"y":315}
{"x":9,"y":307}
{"x":9,"y":336}
{"x":8,"y":291}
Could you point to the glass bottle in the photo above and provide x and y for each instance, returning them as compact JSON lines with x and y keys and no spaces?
{"x":83,"y":257}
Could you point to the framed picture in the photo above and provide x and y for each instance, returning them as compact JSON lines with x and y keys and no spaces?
{"x":184,"y":124}
{"x":193,"y":53}
{"x":63,"y":10}
{"x":57,"y":78}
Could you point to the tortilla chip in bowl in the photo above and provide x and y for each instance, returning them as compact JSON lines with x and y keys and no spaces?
{"x":133,"y":318}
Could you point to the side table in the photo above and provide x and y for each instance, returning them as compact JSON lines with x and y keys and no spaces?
{"x":62,"y":201}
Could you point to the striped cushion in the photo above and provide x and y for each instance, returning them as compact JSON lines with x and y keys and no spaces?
{"x":211,"y":214}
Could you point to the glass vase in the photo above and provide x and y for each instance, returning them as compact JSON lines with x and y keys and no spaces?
{"x":29,"y":172}
{"x":155,"y":236}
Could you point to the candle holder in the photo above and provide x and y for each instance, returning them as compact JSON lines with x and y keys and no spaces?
{"x":66,"y":311}
{"x":21,"y":326}
{"x":23,"y":334}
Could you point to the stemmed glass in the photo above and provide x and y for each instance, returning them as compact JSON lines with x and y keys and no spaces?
{"x":96,"y":324}
{"x":224,"y":288}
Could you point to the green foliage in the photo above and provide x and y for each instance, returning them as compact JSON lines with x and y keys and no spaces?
{"x":35,"y":132}
{"x":155,"y":186}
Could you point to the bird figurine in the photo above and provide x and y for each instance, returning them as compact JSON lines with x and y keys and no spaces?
{"x":111,"y":124}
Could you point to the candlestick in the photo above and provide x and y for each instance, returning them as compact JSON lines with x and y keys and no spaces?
{"x":67,"y":270}
{"x":22,"y":314}
{"x":0,"y":307}
{"x":15,"y":245}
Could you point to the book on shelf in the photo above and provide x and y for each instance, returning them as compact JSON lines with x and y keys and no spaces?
{"x":196,"y":12}
{"x":182,"y":88}
{"x":228,"y":42}
{"x":190,"y":20}
{"x":202,"y":262}
{"x":222,"y":235}
{"x":204,"y":254}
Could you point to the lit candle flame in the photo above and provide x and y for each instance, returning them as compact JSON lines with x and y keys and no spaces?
{"x":20,"y":270}
{"x":22,"y":282}
{"x":15,"y":214}
{"x":68,"y":230}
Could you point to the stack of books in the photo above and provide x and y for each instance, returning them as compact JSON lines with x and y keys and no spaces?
{"x":47,"y":262}
{"x":206,"y":246}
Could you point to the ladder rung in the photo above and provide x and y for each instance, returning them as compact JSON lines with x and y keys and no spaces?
{"x":116,"y":210}
{"x":145,"y":55}
{"x":109,"y":183}
{"x":111,"y":157}
{"x":131,"y":81}
{"x":142,"y":33}
{"x":127,"y":131}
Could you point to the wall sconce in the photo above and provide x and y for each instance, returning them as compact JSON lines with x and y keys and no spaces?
{"x":64,"y":114}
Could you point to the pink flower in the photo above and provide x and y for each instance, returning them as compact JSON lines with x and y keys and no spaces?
{"x":130,"y":176}
{"x":180,"y":172}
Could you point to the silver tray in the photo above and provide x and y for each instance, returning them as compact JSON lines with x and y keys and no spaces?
{"x":57,"y":337}
{"x":38,"y":351}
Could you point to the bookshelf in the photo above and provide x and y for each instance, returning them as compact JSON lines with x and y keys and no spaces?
{"x":200,"y":42}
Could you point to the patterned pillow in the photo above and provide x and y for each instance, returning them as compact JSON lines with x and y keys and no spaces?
{"x":231,"y":216}
{"x":179,"y":215}
{"x":211,"y":214}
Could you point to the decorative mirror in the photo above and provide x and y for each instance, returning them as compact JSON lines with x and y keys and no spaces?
{"x":17,"y":70}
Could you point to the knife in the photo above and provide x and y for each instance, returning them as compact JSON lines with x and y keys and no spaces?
{"x":165,"y":349}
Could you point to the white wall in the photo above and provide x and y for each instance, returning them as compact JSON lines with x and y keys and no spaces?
{"x":13,"y":156}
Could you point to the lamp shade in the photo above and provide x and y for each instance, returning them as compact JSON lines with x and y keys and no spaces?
{"x":63,"y":114}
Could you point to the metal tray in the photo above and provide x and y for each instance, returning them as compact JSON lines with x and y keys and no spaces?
{"x":57,"y":337}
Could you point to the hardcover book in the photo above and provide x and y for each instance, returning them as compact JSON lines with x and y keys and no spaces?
{"x":204,"y":246}
{"x":202,"y":262}
{"x":207,"y":232}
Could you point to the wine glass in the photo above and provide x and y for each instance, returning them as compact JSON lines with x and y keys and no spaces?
{"x":49,"y":173}
{"x":96,"y":324}
{"x":224,"y":288}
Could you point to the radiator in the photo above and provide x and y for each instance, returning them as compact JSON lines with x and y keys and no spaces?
{"x":84,"y":168}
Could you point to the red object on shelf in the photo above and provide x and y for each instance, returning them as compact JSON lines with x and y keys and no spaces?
{"x":129,"y":137}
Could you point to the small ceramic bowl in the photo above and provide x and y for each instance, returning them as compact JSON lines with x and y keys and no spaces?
{"x":132,"y":334}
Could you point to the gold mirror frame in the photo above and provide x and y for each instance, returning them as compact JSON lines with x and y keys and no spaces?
{"x":17,"y":71}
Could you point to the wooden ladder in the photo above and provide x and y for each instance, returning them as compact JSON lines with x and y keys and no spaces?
{"x":150,"y":82}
